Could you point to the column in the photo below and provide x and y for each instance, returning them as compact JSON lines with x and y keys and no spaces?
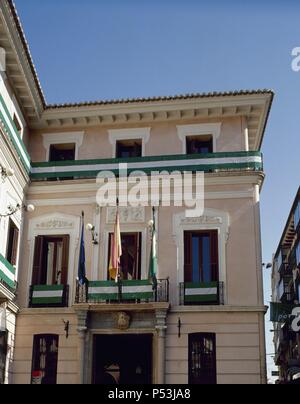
{"x":82,"y":330}
{"x":161,"y":328}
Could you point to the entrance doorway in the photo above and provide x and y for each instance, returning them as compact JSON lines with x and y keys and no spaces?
{"x":122,"y":359}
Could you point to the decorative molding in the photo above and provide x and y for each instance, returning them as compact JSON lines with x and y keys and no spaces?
{"x":127,"y":215}
{"x":55,"y":224}
{"x":62,"y":138}
{"x":129,"y":134}
{"x":213,"y":129}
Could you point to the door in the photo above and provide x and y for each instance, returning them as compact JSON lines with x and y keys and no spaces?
{"x":51,"y":257}
{"x":201,"y":262}
{"x":122,"y":359}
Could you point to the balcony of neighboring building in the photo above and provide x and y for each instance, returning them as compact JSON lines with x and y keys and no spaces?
{"x":7,"y":280}
{"x":286,"y":290}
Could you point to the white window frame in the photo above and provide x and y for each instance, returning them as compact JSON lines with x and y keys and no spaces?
{"x":212,"y":219}
{"x":55,"y":224}
{"x":116,"y":135}
{"x":213,"y":129}
{"x":50,"y":139}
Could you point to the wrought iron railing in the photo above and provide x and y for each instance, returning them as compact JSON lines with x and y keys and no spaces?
{"x":209,"y":293}
{"x":48,"y":296}
{"x":140,"y":291}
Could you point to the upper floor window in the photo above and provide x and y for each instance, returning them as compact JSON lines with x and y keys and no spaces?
{"x":199,"y":138}
{"x":44,"y":359}
{"x":297,"y":215}
{"x":129,"y":148}
{"x":51,"y":257}
{"x":128,"y":143}
{"x":62,"y":152}
{"x":201,"y":263}
{"x":13,"y":241}
{"x":202,"y":359}
{"x":130,"y":266}
{"x":199,"y":144}
{"x":17,"y":124}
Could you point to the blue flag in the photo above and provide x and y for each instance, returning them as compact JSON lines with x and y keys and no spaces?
{"x":81,"y":264}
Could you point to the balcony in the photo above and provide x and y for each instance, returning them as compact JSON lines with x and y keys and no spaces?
{"x":286,"y":292}
{"x":7,"y":280}
{"x":192,"y":294}
{"x":48,"y":296}
{"x":211,"y":162}
{"x":140,"y":291}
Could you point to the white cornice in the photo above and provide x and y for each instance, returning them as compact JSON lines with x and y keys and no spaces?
{"x":67,"y":187}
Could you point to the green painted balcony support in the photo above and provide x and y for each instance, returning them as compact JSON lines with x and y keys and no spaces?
{"x":202,"y":293}
{"x":7,"y":274}
{"x":48,"y":296}
{"x":235,"y":161}
{"x":129,"y":291}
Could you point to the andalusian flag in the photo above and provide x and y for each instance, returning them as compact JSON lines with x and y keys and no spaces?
{"x":153,"y":256}
{"x":81,"y":264}
{"x":115,"y":250}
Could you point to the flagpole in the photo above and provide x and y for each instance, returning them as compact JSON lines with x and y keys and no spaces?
{"x":118,"y":267}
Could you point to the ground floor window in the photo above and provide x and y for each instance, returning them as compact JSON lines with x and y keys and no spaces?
{"x":3,"y":355}
{"x":44,"y":359}
{"x":202,"y":359}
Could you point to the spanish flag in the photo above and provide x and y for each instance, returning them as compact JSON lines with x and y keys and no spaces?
{"x":115,"y":250}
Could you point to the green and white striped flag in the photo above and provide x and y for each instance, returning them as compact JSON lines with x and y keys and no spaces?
{"x":153,"y":255}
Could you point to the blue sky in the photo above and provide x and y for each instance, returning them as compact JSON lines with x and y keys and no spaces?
{"x":104,"y":49}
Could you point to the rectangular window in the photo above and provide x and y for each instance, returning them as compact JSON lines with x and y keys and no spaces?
{"x":297,"y":215}
{"x":51,"y":257}
{"x":3,"y":354}
{"x":130,"y":266}
{"x":62,"y":152}
{"x":17,"y":124}
{"x":44,"y":359}
{"x":13,"y":241}
{"x":201,"y":256}
{"x":202,"y":359}
{"x":129,"y":148}
{"x":199,"y":144}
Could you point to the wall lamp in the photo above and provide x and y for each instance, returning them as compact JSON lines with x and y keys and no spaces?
{"x":90,"y":227}
{"x":6,"y":172}
{"x":11,"y":210}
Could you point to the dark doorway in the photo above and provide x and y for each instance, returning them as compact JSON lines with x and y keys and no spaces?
{"x":122,"y":359}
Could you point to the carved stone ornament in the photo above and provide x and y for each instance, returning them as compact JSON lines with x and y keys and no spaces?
{"x":202,"y":220}
{"x":122,"y":320}
{"x":55,"y":224}
{"x":127,"y":215}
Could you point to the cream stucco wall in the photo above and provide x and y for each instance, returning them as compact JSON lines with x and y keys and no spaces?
{"x":163,"y":139}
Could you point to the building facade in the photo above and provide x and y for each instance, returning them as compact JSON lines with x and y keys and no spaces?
{"x":286,"y":299}
{"x":203,"y":323}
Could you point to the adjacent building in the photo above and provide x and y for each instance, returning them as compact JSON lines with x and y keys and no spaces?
{"x":203,"y":323}
{"x":286,"y":298}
